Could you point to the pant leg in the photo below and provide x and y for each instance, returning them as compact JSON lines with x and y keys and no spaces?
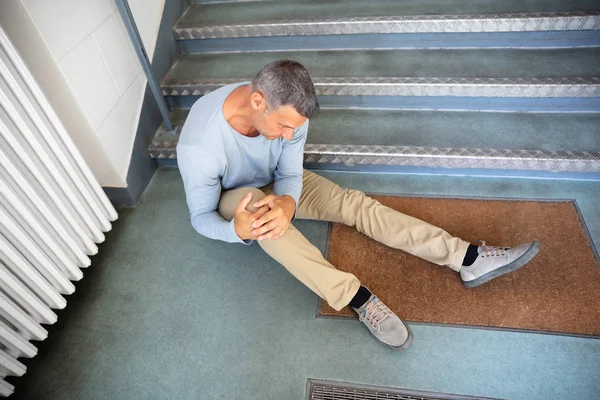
{"x":298,"y":256}
{"x":322,"y":199}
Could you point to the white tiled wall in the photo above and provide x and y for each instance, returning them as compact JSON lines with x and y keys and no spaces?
{"x":123,"y":118}
{"x":90,"y":45}
{"x":90,"y":80}
{"x":118,"y":54}
{"x":65,"y":23}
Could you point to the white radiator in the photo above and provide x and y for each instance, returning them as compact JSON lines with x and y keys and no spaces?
{"x":52,"y":214}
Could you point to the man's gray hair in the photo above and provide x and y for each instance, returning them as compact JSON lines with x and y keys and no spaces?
{"x":287,"y":83}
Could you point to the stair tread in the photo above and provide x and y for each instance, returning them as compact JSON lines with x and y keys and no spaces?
{"x":481,"y":63}
{"x":477,"y":130}
{"x":254,"y":12}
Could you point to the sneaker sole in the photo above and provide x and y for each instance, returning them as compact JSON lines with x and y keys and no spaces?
{"x":513,"y":266}
{"x":405,"y":345}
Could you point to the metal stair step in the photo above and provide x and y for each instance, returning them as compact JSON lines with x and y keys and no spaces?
{"x":439,"y":63}
{"x":556,"y":145}
{"x":541,"y":131}
{"x":527,"y":163}
{"x":476,"y":73}
{"x":466,"y":40}
{"x":258,"y":19}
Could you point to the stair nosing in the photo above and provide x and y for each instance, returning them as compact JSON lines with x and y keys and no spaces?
{"x":507,"y":22}
{"x":507,"y":159}
{"x":416,"y":86}
{"x":442,"y":157}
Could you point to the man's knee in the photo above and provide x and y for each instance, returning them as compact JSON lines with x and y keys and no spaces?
{"x":257,"y":194}
{"x":232,"y":198}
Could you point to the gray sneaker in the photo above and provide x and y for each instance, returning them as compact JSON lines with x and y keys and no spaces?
{"x":493,"y":262}
{"x":384,"y":324}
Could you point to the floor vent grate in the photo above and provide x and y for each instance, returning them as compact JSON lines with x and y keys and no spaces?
{"x":328,"y":390}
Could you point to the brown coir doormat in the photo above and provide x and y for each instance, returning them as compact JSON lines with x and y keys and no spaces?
{"x":556,"y":292}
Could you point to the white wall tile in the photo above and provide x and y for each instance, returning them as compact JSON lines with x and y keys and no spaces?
{"x":64,"y":23}
{"x":117,"y":132}
{"x":89,"y":79}
{"x":147,"y":15}
{"x":117,"y":51}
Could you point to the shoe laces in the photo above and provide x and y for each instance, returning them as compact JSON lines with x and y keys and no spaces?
{"x":375,"y":312}
{"x":492,"y":251}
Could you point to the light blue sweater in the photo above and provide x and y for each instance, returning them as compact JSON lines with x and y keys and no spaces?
{"x":212,"y":157}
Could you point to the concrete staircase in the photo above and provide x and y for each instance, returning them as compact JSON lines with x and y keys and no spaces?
{"x":468,"y":87}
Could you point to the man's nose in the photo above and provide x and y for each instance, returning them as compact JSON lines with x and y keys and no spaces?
{"x":287,"y":134}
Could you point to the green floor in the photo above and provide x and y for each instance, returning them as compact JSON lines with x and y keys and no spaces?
{"x":164,"y":313}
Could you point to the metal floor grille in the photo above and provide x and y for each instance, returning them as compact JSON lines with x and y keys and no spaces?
{"x":327,"y":390}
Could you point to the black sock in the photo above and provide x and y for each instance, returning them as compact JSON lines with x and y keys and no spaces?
{"x":360,"y":298}
{"x":471,"y":255}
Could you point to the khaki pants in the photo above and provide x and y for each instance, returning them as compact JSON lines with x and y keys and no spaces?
{"x":323,"y":200}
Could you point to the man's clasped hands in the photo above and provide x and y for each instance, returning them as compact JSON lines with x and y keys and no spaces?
{"x":270,"y":221}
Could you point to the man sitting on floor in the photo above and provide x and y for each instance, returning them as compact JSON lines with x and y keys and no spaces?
{"x":240,"y":155}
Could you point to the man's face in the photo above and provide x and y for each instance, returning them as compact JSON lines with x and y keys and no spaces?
{"x":275,"y":123}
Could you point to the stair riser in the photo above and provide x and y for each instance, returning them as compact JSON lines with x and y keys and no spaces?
{"x":441,"y":103}
{"x":552,"y":39}
{"x":518,"y":22}
{"x":419,"y":170}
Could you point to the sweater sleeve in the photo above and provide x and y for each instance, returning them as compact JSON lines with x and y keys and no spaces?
{"x":203,"y":192}
{"x":288,"y":173}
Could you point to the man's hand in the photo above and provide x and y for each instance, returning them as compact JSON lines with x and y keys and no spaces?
{"x":244,"y":219}
{"x":275,"y":222}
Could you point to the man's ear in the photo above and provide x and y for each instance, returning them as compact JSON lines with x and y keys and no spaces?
{"x":257,"y":101}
